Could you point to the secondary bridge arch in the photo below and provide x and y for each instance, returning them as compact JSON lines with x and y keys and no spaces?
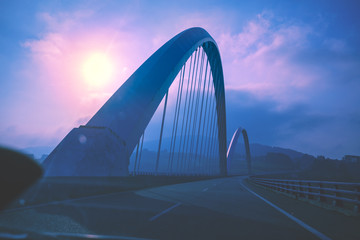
{"x":232,"y":148}
{"x":124,"y":117}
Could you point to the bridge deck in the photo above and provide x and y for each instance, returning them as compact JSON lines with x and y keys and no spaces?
{"x":210,"y":209}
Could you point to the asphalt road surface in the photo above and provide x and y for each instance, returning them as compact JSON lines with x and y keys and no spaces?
{"x":211,"y":209}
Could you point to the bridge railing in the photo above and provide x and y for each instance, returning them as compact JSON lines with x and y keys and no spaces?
{"x":152,"y":173}
{"x":340,"y":194}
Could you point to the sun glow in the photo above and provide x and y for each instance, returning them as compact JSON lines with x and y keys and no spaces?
{"x":97,"y":69}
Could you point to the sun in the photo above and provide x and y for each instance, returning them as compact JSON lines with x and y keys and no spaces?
{"x":97,"y":69}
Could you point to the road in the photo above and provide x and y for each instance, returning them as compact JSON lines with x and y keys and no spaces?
{"x":211,"y":209}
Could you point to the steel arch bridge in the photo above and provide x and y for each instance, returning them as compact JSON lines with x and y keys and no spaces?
{"x":232,"y":148}
{"x":104,"y":145}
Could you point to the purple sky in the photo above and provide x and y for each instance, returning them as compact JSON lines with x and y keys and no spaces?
{"x":292,"y":71}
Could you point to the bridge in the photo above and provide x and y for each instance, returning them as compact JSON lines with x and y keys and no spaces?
{"x":164,"y":133}
{"x":184,"y":81}
{"x":217,"y":208}
{"x":232,"y":148}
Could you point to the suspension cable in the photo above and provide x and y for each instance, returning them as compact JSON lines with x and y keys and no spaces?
{"x":184,"y":153}
{"x":194,"y":120}
{"x":141,"y":147}
{"x":161,"y":132}
{"x":201,"y":111}
{"x":192,"y":65}
{"x":176,"y":118}
{"x":136,"y":156}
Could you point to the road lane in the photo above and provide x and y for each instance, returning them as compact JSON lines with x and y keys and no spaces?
{"x":298,"y":221}
{"x":227,"y":209}
{"x":224,"y":211}
{"x":164,"y":212}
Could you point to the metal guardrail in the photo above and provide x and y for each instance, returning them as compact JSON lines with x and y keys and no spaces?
{"x":152,"y":173}
{"x":339,"y":194}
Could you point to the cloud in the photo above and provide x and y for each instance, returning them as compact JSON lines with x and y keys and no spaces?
{"x":260,"y":60}
{"x":50,"y":46}
{"x":333,"y":137}
{"x":64,"y":21}
{"x":280,"y":71}
{"x":55,"y":60}
{"x":298,"y":127}
{"x":20,"y":137}
{"x":82,"y":120}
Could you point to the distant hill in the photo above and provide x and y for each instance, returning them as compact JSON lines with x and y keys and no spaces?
{"x":38,"y":151}
{"x":257,"y":150}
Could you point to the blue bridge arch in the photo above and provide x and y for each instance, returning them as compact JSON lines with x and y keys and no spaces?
{"x":103,"y":146}
{"x":232,"y":148}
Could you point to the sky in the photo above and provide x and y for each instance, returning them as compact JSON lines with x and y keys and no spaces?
{"x":291,"y":68}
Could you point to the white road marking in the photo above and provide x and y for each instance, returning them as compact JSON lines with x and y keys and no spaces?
{"x":163,"y":212}
{"x":298,"y":221}
{"x":58,"y":202}
{"x":205,"y":189}
{"x":90,"y":236}
{"x":13,"y":236}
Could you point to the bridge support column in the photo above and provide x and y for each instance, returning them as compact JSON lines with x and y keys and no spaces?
{"x":88,"y":151}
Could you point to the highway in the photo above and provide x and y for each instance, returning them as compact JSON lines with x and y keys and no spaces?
{"x":223,"y":208}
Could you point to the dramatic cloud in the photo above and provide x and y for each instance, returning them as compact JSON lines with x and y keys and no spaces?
{"x":290,"y":80}
{"x":54,"y":64}
{"x":260,"y":60}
